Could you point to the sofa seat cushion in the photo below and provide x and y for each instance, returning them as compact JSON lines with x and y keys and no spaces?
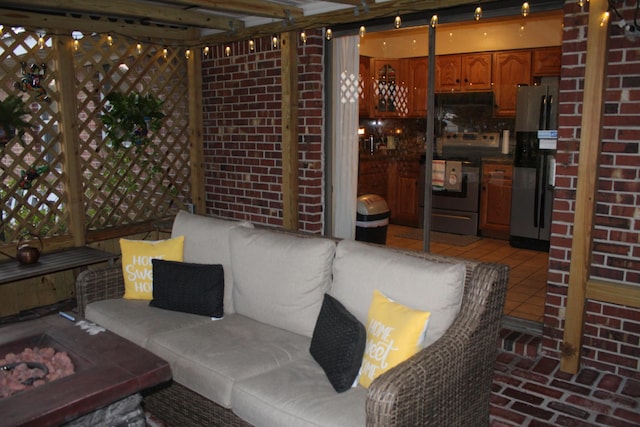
{"x":280,"y":278}
{"x":425,"y":285}
{"x":136,"y":321}
{"x":206,"y":241}
{"x":297,"y":394}
{"x":210,"y":358}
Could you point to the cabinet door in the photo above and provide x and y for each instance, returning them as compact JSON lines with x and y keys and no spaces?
{"x":495,"y":200}
{"x":547,"y":61}
{"x":407,"y":205}
{"x":448,"y":73}
{"x":364,"y":86}
{"x":417,"y":69}
{"x":476,"y":72}
{"x":510,"y":69}
{"x":389,"y":90}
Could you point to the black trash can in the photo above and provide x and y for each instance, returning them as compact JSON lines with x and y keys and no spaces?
{"x":372,"y":219}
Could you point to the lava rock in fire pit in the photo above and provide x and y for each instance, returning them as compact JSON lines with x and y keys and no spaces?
{"x":31,"y":368}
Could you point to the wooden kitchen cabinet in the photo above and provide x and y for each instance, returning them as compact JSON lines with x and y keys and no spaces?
{"x":416,"y":70}
{"x":510,"y":70}
{"x":467,"y":72}
{"x":389,"y":91}
{"x":403,"y":192}
{"x":365,"y":85}
{"x":372,"y":178}
{"x":495,"y":200}
{"x":547,"y":61}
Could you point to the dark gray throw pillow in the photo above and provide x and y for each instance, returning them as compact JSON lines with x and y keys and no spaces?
{"x":338,"y":343}
{"x":188,"y":287}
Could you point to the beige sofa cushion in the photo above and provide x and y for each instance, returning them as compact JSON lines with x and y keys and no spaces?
{"x":211,"y":358}
{"x":297,"y":394}
{"x":279,"y":278}
{"x":207,"y":242}
{"x":423,"y":285}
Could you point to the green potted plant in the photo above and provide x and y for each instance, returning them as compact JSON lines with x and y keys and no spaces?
{"x":12,"y":122}
{"x":129,"y":118}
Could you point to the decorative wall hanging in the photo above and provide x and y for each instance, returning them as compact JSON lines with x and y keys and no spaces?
{"x":28,"y":176}
{"x":129,"y":118}
{"x":31,"y":80}
{"x":12,"y":113}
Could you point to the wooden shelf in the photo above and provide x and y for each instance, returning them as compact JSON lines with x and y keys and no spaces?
{"x":12,"y":270}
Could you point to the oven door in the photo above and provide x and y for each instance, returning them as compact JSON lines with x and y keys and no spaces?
{"x":457,"y":212}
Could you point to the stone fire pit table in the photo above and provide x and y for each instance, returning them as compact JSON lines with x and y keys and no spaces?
{"x":108,"y":368}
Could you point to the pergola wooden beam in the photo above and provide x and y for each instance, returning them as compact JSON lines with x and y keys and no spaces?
{"x":594,"y":83}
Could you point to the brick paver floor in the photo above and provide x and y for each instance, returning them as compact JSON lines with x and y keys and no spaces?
{"x":533,"y":392}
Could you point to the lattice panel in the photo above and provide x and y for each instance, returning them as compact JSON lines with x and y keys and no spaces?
{"x":124,"y":186}
{"x":393,"y":94}
{"x":31,"y":205}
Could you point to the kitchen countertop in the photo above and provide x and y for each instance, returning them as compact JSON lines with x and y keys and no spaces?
{"x":505,"y":159}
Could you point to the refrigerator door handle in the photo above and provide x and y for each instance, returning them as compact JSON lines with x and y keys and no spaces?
{"x":541,"y":114}
{"x":548,"y":112}
{"x":542,"y":184}
{"x":536,"y":195}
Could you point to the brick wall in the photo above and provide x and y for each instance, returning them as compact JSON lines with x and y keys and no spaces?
{"x":243,"y":132}
{"x":612,"y":333}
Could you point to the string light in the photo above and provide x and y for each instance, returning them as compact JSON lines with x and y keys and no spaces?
{"x":205,"y":51}
{"x":397,"y":23}
{"x":525,"y":9}
{"x":76,"y":44}
{"x":329,"y":34}
{"x":41,"y":40}
{"x":274,"y":42}
{"x":109,"y":40}
{"x":187,"y":54}
{"x":227,"y":51}
{"x":1,"y":29}
{"x":165,"y":53}
{"x":303,"y":37}
{"x":252,"y":46}
{"x":477,"y":14}
{"x":580,"y":3}
{"x":605,"y":19}
{"x":434,"y":21}
{"x":139,"y":48}
{"x":362,"y":31}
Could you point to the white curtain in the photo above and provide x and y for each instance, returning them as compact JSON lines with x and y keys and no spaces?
{"x":345,"y":136}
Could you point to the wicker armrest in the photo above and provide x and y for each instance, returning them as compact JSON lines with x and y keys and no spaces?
{"x":99,"y":284}
{"x":449,"y":382}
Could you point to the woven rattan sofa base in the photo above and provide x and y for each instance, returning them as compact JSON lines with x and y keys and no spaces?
{"x":178,"y":406}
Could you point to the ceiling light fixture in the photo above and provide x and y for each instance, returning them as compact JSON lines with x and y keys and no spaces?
{"x":397,"y":23}
{"x":434,"y":21}
{"x":525,"y":9}
{"x":477,"y":14}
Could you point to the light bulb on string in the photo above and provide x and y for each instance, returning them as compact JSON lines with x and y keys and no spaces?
{"x":252,"y":46}
{"x":604,"y":19}
{"x":109,"y":40}
{"x":525,"y":9}
{"x":397,"y":22}
{"x":41,"y":40}
{"x":303,"y":37}
{"x":165,"y":53}
{"x":139,"y":48}
{"x":434,"y":21}
{"x":205,"y":51}
{"x":362,"y":31}
{"x":581,"y":3}
{"x":1,"y":29}
{"x":274,"y":42}
{"x":227,"y":51}
{"x":187,"y":54}
{"x":329,"y":34}
{"x":477,"y":14}
{"x":76,"y":44}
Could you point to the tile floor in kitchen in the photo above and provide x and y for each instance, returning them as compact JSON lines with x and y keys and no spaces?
{"x":527,"y":278}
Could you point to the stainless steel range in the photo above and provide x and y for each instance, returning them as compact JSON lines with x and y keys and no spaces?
{"x":470,"y":146}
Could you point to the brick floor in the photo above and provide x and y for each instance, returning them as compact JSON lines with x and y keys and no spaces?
{"x":531,"y":391}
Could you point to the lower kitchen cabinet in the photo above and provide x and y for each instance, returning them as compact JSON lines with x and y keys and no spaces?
{"x":403,"y":192}
{"x":495,"y":200}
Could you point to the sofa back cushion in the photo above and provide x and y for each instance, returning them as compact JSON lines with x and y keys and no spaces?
{"x":280,"y":279}
{"x":206,"y":241}
{"x":436,"y":287}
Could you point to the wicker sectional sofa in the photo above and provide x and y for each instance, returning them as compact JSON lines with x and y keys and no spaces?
{"x":254,"y":366}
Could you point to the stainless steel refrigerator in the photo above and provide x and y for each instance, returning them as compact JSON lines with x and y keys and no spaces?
{"x":534,"y":165}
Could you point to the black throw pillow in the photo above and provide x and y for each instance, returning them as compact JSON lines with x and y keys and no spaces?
{"x":188,"y":287}
{"x":338,"y":343}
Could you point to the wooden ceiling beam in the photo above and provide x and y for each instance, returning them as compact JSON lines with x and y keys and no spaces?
{"x":246,"y":7}
{"x":138,"y":11}
{"x":87,"y":24}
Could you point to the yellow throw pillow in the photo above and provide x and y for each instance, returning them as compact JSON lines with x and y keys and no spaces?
{"x":136,"y":263}
{"x":394,"y":334}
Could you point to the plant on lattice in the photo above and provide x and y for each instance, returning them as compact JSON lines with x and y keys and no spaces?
{"x":12,"y":113}
{"x":129,"y":118}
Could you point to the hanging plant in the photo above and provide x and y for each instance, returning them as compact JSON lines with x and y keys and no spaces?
{"x":12,"y":122}
{"x":129,"y":118}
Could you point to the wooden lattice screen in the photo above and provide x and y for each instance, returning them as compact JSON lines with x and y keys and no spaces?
{"x":120,"y":186}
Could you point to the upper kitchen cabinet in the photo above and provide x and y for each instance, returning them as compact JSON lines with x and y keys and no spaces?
{"x":416,"y":70}
{"x":467,"y":72}
{"x":389,"y":90}
{"x":365,"y":86}
{"x":547,"y":61}
{"x":510,"y":70}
